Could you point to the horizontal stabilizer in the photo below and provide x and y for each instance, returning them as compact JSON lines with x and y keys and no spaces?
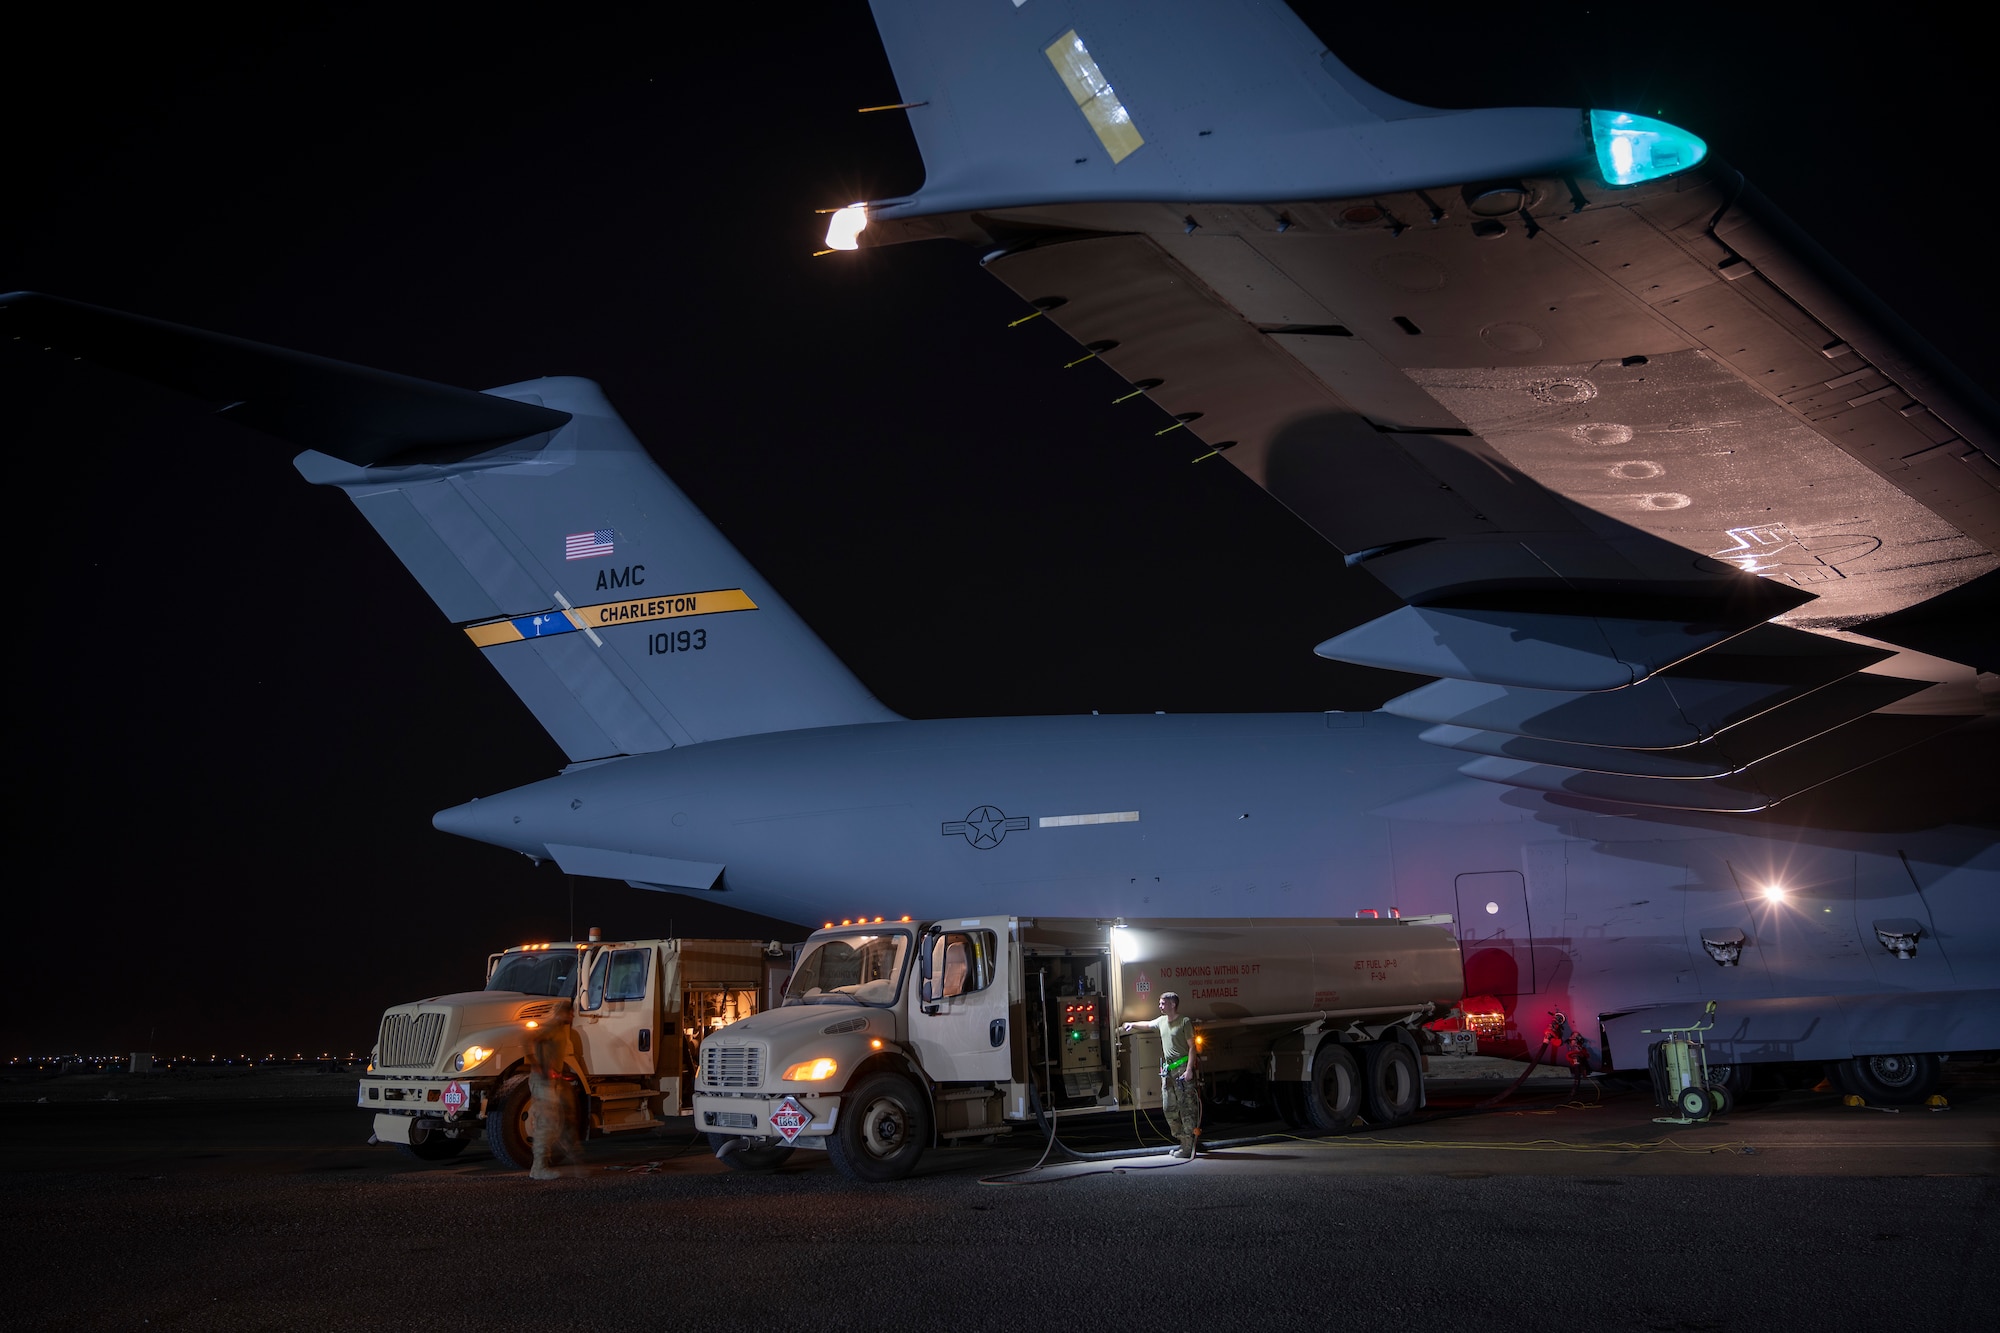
{"x":350,"y":412}
{"x":1519,"y":648}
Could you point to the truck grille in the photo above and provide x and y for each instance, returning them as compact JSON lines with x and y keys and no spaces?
{"x":411,"y":1040}
{"x":732,"y":1066}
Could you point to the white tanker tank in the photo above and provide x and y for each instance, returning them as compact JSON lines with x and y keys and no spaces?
{"x":1259,"y":972}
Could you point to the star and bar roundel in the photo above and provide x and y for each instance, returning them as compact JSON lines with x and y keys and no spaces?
{"x":984,"y":826}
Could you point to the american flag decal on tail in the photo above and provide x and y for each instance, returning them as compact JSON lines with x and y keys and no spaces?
{"x":588,"y":545}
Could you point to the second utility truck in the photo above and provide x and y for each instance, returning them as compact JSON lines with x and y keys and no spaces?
{"x":628,"y":1016}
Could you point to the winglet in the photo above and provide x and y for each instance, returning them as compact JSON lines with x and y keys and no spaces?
{"x":1055,"y":101}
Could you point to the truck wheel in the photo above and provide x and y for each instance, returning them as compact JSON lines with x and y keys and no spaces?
{"x":1333,"y":1093}
{"x":750,"y":1156}
{"x":507,"y":1126}
{"x":435,"y":1146}
{"x":1395,"y":1083}
{"x":1891,"y":1079}
{"x":885,"y":1124}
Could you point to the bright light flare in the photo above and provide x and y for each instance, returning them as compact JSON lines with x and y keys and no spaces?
{"x":844,"y":231}
{"x":1774,"y":893}
{"x":812,"y":1071}
{"x":1631,"y":149}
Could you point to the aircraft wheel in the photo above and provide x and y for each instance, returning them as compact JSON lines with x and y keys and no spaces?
{"x":507,"y":1125}
{"x":885,"y":1124}
{"x":1695,"y":1103}
{"x":1395,"y":1083}
{"x":751,"y":1157}
{"x":434,"y":1146}
{"x":1893,"y":1079}
{"x":1736,"y":1078}
{"x":1333,"y":1092}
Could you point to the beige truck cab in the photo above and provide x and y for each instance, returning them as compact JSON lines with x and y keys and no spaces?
{"x":896,"y":1036}
{"x":628,"y":1018}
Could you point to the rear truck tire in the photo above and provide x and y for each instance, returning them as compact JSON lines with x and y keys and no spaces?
{"x":435,"y":1146}
{"x":885,"y":1125}
{"x":1395,"y":1083}
{"x":1333,"y":1093}
{"x":1894,"y":1080}
{"x":755,"y":1158}
{"x":507,"y":1125}
{"x":1695,"y":1103}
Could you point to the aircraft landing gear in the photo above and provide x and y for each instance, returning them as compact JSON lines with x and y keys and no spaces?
{"x":1892,"y":1080}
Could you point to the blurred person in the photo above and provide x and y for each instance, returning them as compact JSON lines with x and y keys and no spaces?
{"x":552,"y":1124}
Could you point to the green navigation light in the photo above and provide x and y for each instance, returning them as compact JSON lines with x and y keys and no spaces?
{"x":1633,"y":148}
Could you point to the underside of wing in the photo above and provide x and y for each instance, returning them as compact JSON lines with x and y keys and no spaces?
{"x":1639,"y":460}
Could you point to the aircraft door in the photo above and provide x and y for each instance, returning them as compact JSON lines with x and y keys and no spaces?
{"x":616,"y":1027}
{"x":961,"y":1026}
{"x":1494,"y":933}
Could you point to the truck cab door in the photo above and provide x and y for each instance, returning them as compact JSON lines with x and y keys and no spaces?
{"x":960,"y":1024}
{"x":615,"y":1013}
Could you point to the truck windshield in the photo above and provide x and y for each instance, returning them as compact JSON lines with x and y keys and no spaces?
{"x":550,"y":973}
{"x":851,"y":969}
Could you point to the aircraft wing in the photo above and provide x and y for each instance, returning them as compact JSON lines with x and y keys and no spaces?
{"x":1643,"y":464}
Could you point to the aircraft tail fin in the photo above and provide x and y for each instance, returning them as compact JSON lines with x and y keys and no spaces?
{"x":534,"y":519}
{"x":606,"y":599}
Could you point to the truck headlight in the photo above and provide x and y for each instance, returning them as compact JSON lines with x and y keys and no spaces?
{"x":811,"y":1071}
{"x":469,"y":1057}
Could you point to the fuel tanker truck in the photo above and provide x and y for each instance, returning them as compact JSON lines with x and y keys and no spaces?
{"x":896,"y":1036}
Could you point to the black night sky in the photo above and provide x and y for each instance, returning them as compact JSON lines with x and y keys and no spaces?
{"x":237,"y":712}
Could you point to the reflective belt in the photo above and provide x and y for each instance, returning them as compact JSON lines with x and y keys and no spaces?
{"x":1172,"y":1065}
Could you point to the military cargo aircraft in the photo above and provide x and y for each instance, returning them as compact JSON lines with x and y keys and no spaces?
{"x":1687,"y":529}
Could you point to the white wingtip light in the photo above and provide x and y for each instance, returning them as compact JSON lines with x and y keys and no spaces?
{"x":844,"y":231}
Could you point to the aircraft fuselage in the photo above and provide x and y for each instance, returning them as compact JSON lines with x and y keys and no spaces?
{"x":1295,"y":815}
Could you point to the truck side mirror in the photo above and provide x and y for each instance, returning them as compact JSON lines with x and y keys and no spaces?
{"x":927,"y":987}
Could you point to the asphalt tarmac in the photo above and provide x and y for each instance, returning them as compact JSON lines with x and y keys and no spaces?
{"x":223,"y":1211}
